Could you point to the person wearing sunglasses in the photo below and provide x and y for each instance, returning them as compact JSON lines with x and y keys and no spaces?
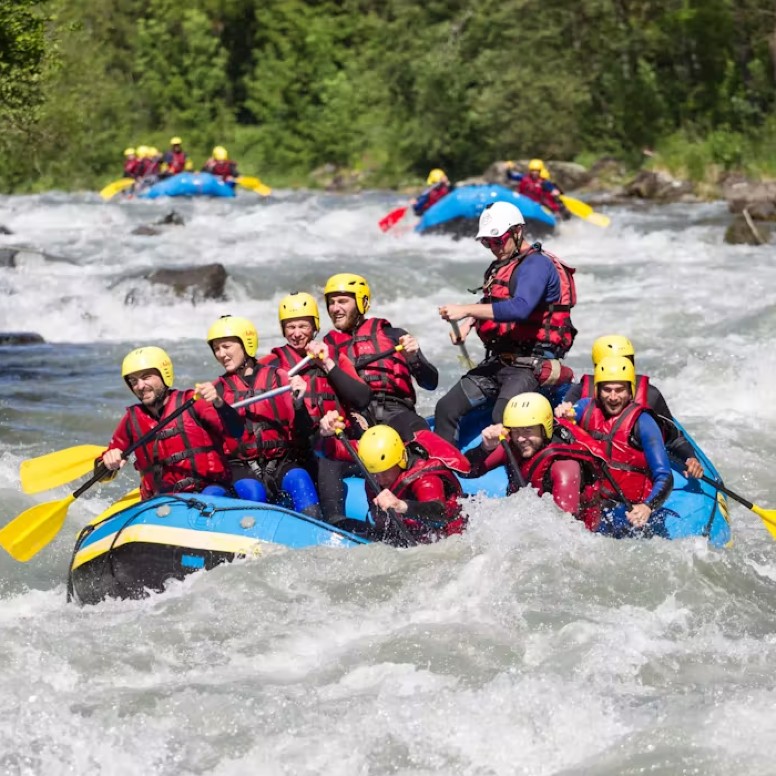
{"x":523,"y":318}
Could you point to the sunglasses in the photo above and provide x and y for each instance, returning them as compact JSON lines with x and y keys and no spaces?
{"x":496,"y":242}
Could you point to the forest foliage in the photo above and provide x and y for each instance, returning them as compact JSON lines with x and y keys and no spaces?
{"x":390,"y":87}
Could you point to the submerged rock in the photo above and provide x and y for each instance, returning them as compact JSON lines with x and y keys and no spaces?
{"x":5,"y":230}
{"x":744,"y":231}
{"x":14,"y":338}
{"x":173,"y":218}
{"x":8,"y":257}
{"x":146,"y":231}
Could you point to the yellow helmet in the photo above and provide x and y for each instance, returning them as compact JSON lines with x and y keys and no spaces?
{"x":298,"y":304}
{"x":347,"y":283}
{"x":535,"y":165}
{"x":149,"y":357}
{"x":175,"y":141}
{"x":611,"y":345}
{"x":220,"y":154}
{"x":528,"y":409}
{"x":544,"y":174}
{"x":232,"y":326}
{"x":435,"y":176}
{"x":616,"y":369}
{"x":154,"y":151}
{"x":142,"y":151}
{"x":129,"y":152}
{"x":380,"y":448}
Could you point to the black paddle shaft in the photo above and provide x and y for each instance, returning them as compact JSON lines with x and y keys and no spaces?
{"x":401,"y":529}
{"x":102,"y":470}
{"x":513,"y":465}
{"x":718,"y":485}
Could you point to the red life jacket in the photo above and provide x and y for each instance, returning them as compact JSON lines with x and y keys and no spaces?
{"x":536,"y":190}
{"x":183,"y":457}
{"x":176,"y":161}
{"x":569,"y":442}
{"x":438,"y":192}
{"x":548,"y":327}
{"x":389,"y":375}
{"x":319,"y":397}
{"x":433,"y":457}
{"x":268,"y":423}
{"x":627,"y":465}
{"x":131,"y":168}
{"x":224,"y":169}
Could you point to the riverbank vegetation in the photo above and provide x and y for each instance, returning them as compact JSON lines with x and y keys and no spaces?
{"x":387,"y":87}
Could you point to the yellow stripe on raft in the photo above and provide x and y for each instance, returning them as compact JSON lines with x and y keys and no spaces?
{"x":175,"y":537}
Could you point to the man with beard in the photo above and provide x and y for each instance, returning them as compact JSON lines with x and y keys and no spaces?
{"x":640,"y":472}
{"x":185,"y":456}
{"x":385,"y":357}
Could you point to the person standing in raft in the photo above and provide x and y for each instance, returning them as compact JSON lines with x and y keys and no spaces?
{"x":187,"y":455}
{"x":267,"y":461}
{"x":331,"y":386}
{"x":553,"y":456}
{"x":640,"y":473}
{"x":438,"y":188}
{"x":417,"y":479}
{"x":523,"y":319}
{"x":361,"y":339}
{"x":647,"y":395}
{"x":222,"y":166}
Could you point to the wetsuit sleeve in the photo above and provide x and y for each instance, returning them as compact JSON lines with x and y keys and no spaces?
{"x":646,"y":434}
{"x":566,"y":478}
{"x":573,"y":393}
{"x":351,"y":390}
{"x":429,"y":501}
{"x":536,"y":280}
{"x":421,"y":203}
{"x":220,"y":421}
{"x":424,"y":372}
{"x":580,"y":406}
{"x":513,"y":175}
{"x":675,"y":441}
{"x":483,"y":461}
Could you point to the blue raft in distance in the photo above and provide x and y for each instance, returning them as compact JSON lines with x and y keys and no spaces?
{"x":458,"y":213}
{"x":189,"y":184}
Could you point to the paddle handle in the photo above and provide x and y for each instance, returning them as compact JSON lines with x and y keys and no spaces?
{"x":718,"y":485}
{"x":513,"y":465}
{"x":401,"y":529}
{"x":275,"y":391}
{"x":365,"y":361}
{"x":462,"y":345}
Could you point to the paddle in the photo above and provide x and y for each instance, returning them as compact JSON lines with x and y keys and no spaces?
{"x":768,"y":516}
{"x":365,"y":361}
{"x":254,"y":184}
{"x":275,"y":391}
{"x":34,"y":528}
{"x":398,"y":524}
{"x":582,"y":210}
{"x":55,"y":469}
{"x":115,"y":187}
{"x":393,"y":218}
{"x":464,"y":359}
{"x":515,"y":472}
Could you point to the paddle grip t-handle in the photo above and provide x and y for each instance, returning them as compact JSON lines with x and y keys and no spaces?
{"x":513,"y":465}
{"x":398,"y":524}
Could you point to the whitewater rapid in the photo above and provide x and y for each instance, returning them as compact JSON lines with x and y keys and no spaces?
{"x":526,"y":646}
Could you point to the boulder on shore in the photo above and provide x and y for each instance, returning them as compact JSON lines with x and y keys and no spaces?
{"x":659,"y":185}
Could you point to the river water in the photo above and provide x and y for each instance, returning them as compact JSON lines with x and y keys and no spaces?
{"x":526,"y":646}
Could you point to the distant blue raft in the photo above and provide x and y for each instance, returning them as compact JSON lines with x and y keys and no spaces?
{"x":458,"y":213}
{"x":189,"y":184}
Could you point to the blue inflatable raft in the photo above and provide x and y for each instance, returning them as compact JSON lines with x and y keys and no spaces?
{"x":458,"y":213}
{"x":127,"y":552}
{"x":189,"y":184}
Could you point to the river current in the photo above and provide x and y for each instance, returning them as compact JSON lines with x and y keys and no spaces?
{"x":526,"y":646}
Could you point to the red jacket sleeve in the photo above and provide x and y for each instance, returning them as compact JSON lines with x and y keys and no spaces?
{"x":566,"y":479}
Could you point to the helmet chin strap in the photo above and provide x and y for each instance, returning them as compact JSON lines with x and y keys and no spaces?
{"x":249,"y":362}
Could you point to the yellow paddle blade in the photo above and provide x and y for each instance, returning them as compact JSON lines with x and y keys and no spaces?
{"x":768,"y":517}
{"x":57,"y":468}
{"x":114,"y":188}
{"x":27,"y":534}
{"x":582,"y":210}
{"x":254,"y":184}
{"x":127,"y":500}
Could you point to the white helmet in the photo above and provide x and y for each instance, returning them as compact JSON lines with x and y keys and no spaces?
{"x":498,"y":218}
